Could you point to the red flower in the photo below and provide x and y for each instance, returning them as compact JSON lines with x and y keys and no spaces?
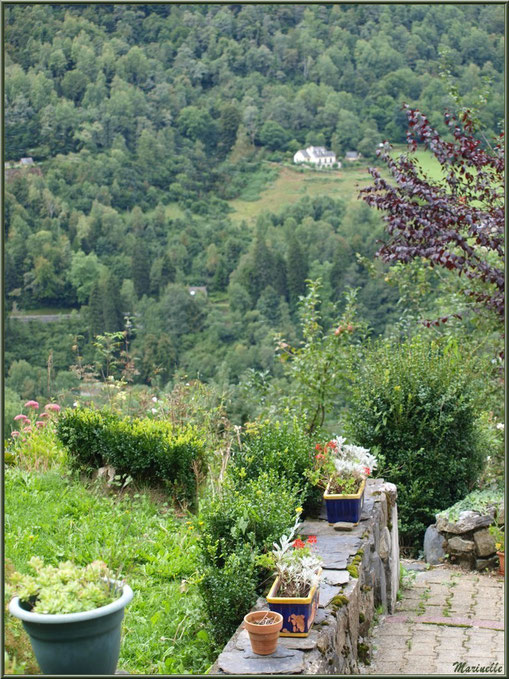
{"x":311,"y":540}
{"x":333,"y":444}
{"x":298,"y":544}
{"x":318,"y":447}
{"x":52,"y":406}
{"x":319,"y":456}
{"x":367,"y":471}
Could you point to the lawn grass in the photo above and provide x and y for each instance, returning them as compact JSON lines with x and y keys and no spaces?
{"x":55,"y":516}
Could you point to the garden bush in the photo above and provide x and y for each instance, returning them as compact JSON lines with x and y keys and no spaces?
{"x":283,"y":448}
{"x":235,"y":527}
{"x":416,"y":404}
{"x":229,"y":591}
{"x":142,"y":448}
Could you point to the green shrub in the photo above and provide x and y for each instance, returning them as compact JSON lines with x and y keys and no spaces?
{"x":283,"y":448}
{"x":229,"y":591}
{"x":143,"y":448}
{"x":257,"y":512}
{"x":416,"y":404}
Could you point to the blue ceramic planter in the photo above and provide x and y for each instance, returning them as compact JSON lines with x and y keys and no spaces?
{"x":298,"y":613}
{"x":345,"y":508}
{"x":76,"y":643}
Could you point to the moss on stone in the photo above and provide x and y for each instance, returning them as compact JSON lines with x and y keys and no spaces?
{"x":339,"y":601}
{"x":363,"y":653}
{"x":353,"y":570}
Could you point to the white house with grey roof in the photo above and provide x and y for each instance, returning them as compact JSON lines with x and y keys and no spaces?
{"x":318,"y":155}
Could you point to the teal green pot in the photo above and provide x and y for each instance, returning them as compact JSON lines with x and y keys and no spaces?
{"x":75,"y":643}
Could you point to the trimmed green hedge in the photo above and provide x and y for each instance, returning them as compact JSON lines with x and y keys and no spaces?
{"x":143,"y":448}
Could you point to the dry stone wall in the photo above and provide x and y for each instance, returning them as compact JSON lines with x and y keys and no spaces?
{"x":466,"y":541}
{"x":360,"y":573}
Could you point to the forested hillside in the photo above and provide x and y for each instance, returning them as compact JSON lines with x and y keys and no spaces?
{"x":144,"y":121}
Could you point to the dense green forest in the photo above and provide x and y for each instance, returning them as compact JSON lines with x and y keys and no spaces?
{"x":145,"y":122}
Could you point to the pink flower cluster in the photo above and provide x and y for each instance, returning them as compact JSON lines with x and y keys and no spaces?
{"x":27,"y":422}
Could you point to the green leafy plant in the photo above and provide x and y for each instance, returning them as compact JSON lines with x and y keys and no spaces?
{"x":499,"y":536}
{"x":416,"y":403}
{"x":320,"y":367}
{"x":65,"y":588}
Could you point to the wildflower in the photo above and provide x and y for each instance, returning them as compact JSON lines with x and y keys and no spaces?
{"x":318,"y":447}
{"x":311,"y":540}
{"x":14,"y":433}
{"x":500,"y":425}
{"x":154,"y":410}
{"x":40,"y":423}
{"x":53,"y":407}
{"x":28,"y":428}
{"x":298,"y":544}
{"x":44,"y":415}
{"x":32,"y":404}
{"x":154,"y":398}
{"x":298,"y":510}
{"x":367,"y":471}
{"x":21,"y":417}
{"x":319,"y":456}
{"x":75,"y":404}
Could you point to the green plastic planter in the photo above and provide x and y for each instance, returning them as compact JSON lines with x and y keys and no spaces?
{"x":76,"y":643}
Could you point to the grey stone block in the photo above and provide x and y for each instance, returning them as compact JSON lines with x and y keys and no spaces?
{"x":434,"y":546}
{"x":484,"y":542}
{"x":467,"y":521}
{"x":457,"y":545}
{"x":335,"y":577}
{"x":283,"y":661}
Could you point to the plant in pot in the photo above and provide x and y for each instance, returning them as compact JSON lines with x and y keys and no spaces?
{"x":341,"y":470}
{"x":499,"y":537}
{"x":263,"y":628}
{"x":294,"y":593}
{"x":72,"y":614}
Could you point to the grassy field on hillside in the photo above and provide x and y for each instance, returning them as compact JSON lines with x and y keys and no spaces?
{"x":294,"y":183}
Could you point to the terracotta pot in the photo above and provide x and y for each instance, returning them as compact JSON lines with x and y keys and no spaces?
{"x":263,"y":638}
{"x":501,"y":559}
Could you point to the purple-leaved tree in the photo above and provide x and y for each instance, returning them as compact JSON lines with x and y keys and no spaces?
{"x":457,"y":221}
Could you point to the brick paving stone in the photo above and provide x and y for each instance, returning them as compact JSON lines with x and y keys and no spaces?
{"x":406,"y":644}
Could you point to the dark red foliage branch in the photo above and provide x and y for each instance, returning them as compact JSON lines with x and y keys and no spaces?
{"x":456,"y":222}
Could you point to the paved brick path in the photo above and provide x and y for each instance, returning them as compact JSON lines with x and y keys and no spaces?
{"x":446,"y":616}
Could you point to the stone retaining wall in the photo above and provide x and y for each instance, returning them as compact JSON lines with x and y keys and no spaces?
{"x":360,"y":574}
{"x":465,"y":541}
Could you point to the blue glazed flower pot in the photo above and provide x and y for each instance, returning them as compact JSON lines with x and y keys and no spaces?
{"x":345,"y":508}
{"x":298,"y":613}
{"x":75,"y":643}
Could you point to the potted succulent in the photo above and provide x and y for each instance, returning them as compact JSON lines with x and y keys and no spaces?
{"x":499,"y":537}
{"x":73,"y":616}
{"x":341,"y":470}
{"x":294,"y":593}
{"x":263,"y":628}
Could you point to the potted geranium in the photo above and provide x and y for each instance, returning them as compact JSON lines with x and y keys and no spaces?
{"x":294,"y":592}
{"x":341,"y":470}
{"x":73,"y":616}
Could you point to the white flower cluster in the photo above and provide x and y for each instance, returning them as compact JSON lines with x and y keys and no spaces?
{"x":352,"y":460}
